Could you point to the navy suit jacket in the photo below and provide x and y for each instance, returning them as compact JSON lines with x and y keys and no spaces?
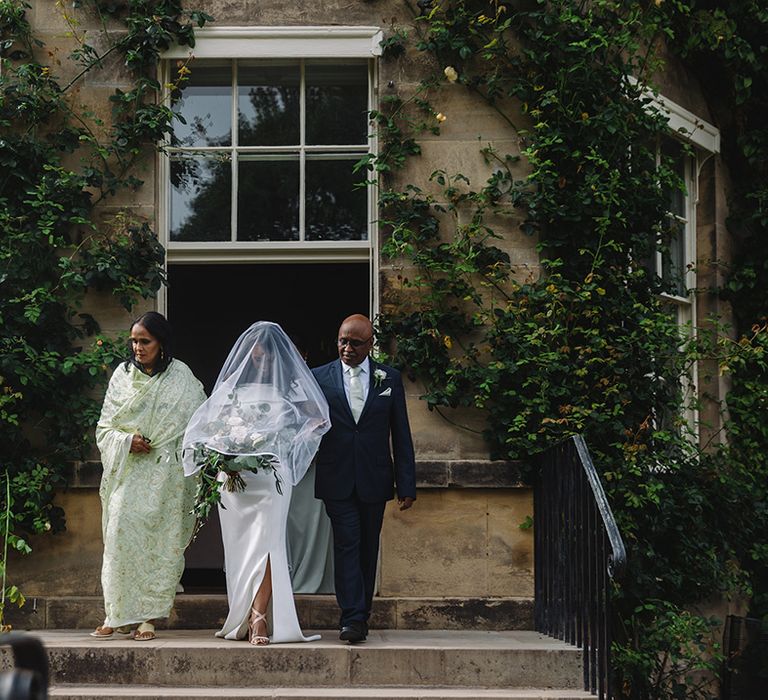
{"x":369,"y":456}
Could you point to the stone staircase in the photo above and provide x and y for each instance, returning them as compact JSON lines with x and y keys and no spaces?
{"x":411,"y":664}
{"x":418,"y":648}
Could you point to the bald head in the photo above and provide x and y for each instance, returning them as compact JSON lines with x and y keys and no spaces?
{"x":355,"y":339}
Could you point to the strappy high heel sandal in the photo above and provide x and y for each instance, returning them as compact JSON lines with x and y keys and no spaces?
{"x":254,"y":638}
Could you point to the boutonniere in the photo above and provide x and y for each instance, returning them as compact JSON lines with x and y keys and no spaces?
{"x":379,"y":376}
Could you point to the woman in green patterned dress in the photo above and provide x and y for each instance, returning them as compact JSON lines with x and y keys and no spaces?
{"x":146,"y":501}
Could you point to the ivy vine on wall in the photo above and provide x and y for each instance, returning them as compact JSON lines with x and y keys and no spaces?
{"x":60,"y":163}
{"x":587,"y":343}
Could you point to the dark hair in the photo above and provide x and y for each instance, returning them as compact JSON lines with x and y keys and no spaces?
{"x":158,"y":327}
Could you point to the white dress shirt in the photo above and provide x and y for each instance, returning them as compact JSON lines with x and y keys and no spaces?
{"x":365,"y":377}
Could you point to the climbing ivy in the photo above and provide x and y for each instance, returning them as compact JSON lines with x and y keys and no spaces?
{"x":61,"y":164}
{"x":587,"y":342}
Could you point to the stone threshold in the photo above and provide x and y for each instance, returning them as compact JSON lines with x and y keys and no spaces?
{"x":208,"y":611}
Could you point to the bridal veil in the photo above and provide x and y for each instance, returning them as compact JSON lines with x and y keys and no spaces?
{"x":265,"y":402}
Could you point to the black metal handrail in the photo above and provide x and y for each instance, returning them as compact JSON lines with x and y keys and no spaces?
{"x":578,"y":553}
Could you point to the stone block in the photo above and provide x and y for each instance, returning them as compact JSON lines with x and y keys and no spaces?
{"x":460,"y":156}
{"x":433,"y":474}
{"x":406,"y":70}
{"x":393,"y":667}
{"x":468,"y":474}
{"x":320,"y":612}
{"x":111,"y":315}
{"x":433,"y":437}
{"x":110,"y":73}
{"x":458,"y":543}
{"x":510,"y":549}
{"x":197,"y":612}
{"x":447,"y":434}
{"x":31,"y":616}
{"x":274,"y":12}
{"x":68,"y":563}
{"x":469,"y":117}
{"x":75,"y":612}
{"x":485,"y":474}
{"x":323,"y":613}
{"x":437,"y":548}
{"x":560,"y":668}
{"x":677,"y":83}
{"x":465,"y":613}
{"x":47,"y":16}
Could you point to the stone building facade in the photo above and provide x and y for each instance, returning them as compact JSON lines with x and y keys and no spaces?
{"x":229,"y":250}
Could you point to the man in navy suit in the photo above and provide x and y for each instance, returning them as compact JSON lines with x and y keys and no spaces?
{"x":365,"y":453}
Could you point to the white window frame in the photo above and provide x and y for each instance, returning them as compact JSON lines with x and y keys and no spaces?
{"x":244,"y":43}
{"x":704,"y":137}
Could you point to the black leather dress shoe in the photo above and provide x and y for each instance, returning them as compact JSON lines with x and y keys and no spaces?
{"x":353,"y":632}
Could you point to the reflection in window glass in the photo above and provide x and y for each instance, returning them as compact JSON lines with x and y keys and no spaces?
{"x":337,"y":104}
{"x":673,"y":249}
{"x":205,"y":104}
{"x":673,"y":266}
{"x":268,"y":200}
{"x":253,"y":129}
{"x":200,"y":199}
{"x":336,"y":210}
{"x":268,"y":102}
{"x":675,"y":157}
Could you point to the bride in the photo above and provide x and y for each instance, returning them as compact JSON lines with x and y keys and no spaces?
{"x":267,"y":403}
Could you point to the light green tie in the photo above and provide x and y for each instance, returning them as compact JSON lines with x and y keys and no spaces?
{"x":356,"y":395}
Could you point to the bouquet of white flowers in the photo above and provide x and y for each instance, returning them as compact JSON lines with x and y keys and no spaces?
{"x":234,"y":447}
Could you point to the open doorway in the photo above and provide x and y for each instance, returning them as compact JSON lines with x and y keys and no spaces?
{"x":210,"y":305}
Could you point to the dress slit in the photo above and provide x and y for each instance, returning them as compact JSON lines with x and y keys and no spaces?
{"x":253,"y":528}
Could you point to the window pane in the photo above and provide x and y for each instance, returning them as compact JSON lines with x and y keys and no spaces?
{"x":674,"y":155}
{"x":268,"y":200}
{"x":205,"y":103}
{"x":337,"y":104}
{"x":268,"y":100}
{"x":336,"y":209}
{"x":673,"y":258}
{"x":200,"y":199}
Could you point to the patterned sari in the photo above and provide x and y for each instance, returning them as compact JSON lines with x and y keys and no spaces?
{"x":146,"y":501}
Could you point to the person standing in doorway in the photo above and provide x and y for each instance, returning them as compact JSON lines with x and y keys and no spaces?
{"x":366,"y":454}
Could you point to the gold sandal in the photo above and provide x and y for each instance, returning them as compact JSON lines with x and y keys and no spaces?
{"x":258,"y":640}
{"x":145,"y":632}
{"x":103,"y":632}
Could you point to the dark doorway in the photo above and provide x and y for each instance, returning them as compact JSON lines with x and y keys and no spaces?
{"x":210,"y":305}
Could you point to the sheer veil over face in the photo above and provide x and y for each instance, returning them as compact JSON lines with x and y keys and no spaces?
{"x":265,"y":402}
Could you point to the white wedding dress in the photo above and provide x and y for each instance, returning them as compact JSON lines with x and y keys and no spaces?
{"x":253,"y":528}
{"x":266,"y":402}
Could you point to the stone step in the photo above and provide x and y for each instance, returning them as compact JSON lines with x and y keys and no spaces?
{"x":105,"y":692}
{"x":197,"y":611}
{"x":395,"y":658}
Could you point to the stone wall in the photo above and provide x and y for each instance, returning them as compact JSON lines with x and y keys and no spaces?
{"x":462,"y":538}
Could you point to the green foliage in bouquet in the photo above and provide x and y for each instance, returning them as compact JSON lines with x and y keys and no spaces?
{"x":212,"y":464}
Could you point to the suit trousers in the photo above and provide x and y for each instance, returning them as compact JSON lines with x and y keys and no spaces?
{"x":356,"y":529}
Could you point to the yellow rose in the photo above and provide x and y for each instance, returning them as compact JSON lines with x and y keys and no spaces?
{"x":451,"y":74}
